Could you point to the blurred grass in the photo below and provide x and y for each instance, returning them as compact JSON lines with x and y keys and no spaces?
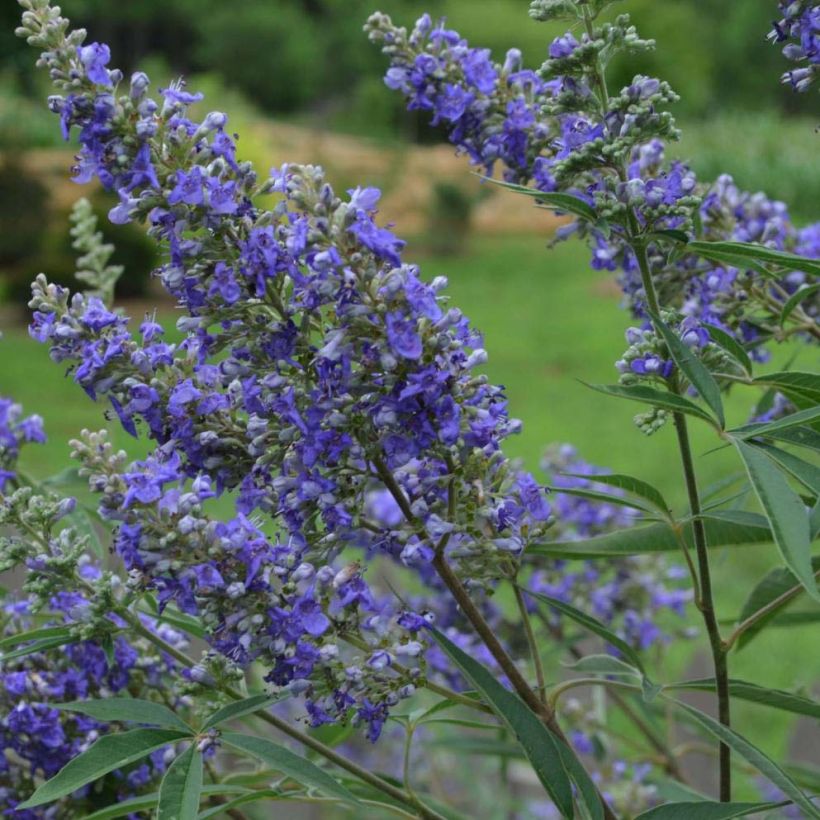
{"x":548,"y":321}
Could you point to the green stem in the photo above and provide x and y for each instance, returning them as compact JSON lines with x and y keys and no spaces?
{"x":531,"y":641}
{"x":706,"y":602}
{"x":284,"y":727}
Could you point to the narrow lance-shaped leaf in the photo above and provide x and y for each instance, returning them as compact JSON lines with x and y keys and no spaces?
{"x":728,"y":342}
{"x":108,"y":753}
{"x":557,"y":201}
{"x":752,"y":755}
{"x":693,"y":368}
{"x":774,"y":585}
{"x":290,"y":764}
{"x":128,"y":710}
{"x":807,"y":474}
{"x":240,"y":708}
{"x":180,"y":791}
{"x":758,"y":429}
{"x":655,"y":398}
{"x":787,"y":516}
{"x":42,"y":645}
{"x":605,"y":498}
{"x":39,"y":634}
{"x":706,"y":810}
{"x":540,"y":746}
{"x":148,"y":802}
{"x":753,"y":254}
{"x":591,"y":624}
{"x":795,"y":299}
{"x":751,"y":692}
{"x":628,"y":483}
{"x":794,"y":381}
{"x":723,"y":529}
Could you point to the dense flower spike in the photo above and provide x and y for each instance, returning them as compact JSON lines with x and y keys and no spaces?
{"x":320,"y":379}
{"x":549,"y":128}
{"x":798,"y":32}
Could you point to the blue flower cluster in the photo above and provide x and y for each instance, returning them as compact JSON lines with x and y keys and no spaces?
{"x":15,"y":431}
{"x":320,"y":380}
{"x":37,"y":739}
{"x":546,"y":128}
{"x":798,"y":31}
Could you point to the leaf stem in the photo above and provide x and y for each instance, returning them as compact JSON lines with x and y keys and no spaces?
{"x":283,"y":726}
{"x":773,"y":605}
{"x":531,"y":641}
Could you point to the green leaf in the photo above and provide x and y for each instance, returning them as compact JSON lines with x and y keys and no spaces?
{"x":243,"y":800}
{"x":752,"y":755}
{"x":807,"y":474}
{"x":147,"y":802}
{"x":240,"y":708}
{"x":42,"y":645}
{"x":557,"y":201}
{"x":772,"y":586}
{"x":736,"y":350}
{"x":784,"y":509}
{"x":774,"y":698}
{"x":629,"y":484}
{"x":108,"y":753}
{"x":799,"y":436}
{"x":693,"y":368}
{"x":605,"y":665}
{"x":794,"y":381}
{"x":290,"y":764}
{"x":792,"y":420}
{"x":539,"y":744}
{"x":39,"y":634}
{"x":172,"y":616}
{"x":706,"y":810}
{"x":724,"y":528}
{"x":591,"y":624}
{"x":754,"y":253}
{"x":127,"y":710}
{"x":656,"y":398}
{"x":180,"y":791}
{"x":605,"y":498}
{"x":795,"y":299}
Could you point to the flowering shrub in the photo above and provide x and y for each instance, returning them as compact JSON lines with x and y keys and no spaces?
{"x":327,"y":508}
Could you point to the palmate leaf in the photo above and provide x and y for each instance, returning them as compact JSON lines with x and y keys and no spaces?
{"x":181,"y":788}
{"x":784,"y":509}
{"x":538,"y":743}
{"x":128,"y":710}
{"x":240,"y":708}
{"x":693,"y":368}
{"x":108,"y":753}
{"x":288,"y":763}
{"x":773,"y":698}
{"x":752,"y":755}
{"x":724,"y":528}
{"x":706,"y":810}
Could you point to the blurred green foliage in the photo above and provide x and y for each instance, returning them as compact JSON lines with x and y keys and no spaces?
{"x":294,"y":55}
